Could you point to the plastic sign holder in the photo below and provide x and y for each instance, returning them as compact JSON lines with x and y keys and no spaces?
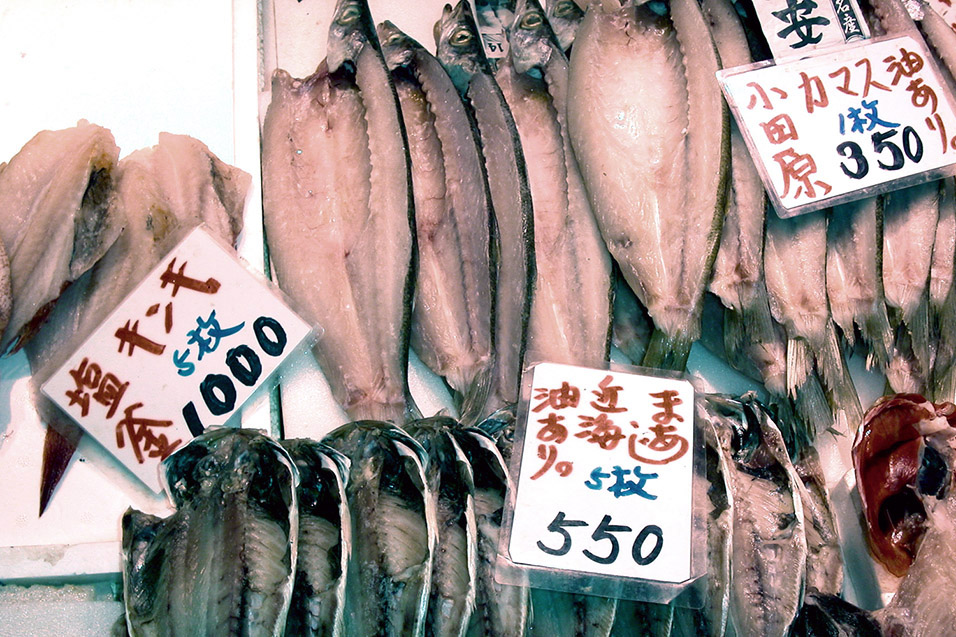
{"x":609,"y":486}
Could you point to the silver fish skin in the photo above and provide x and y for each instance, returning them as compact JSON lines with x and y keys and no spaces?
{"x":324,"y":540}
{"x":631,"y":326}
{"x":571,"y":310}
{"x":454,"y":572}
{"x":795,"y":272}
{"x":223,"y":563}
{"x":500,"y":609}
{"x":824,"y":559}
{"x":453,"y":309}
{"x":56,"y":223}
{"x":460,"y":51}
{"x":338,"y":214}
{"x":636,"y":81}
{"x":910,"y":217}
{"x":769,"y":538}
{"x":394,"y":516}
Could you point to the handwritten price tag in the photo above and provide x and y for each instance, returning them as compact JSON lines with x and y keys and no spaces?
{"x":493,"y":17}
{"x":823,"y":129}
{"x":605,"y":484}
{"x":183,"y":351}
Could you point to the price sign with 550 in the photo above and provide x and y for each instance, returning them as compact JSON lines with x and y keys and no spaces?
{"x":605,"y":484}
{"x":840,"y":125}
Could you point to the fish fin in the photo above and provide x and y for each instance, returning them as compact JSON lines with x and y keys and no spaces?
{"x":918,"y":325}
{"x":59,"y":446}
{"x":472,"y":402}
{"x":902,"y":369}
{"x":876,"y":332}
{"x":811,"y":410}
{"x":666,"y":352}
{"x":799,"y":364}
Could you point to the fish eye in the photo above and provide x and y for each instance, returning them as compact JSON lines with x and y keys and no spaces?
{"x":394,"y":39}
{"x":349,"y":16}
{"x":461,"y":37}
{"x":564,"y":9}
{"x":532,"y":20}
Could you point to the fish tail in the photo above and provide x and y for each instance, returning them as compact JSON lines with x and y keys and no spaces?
{"x":472,"y":402}
{"x":902,"y":369}
{"x":811,"y":410}
{"x":799,"y":364}
{"x":918,"y":325}
{"x":878,"y":336}
{"x":844,"y":398}
{"x":944,"y":369}
{"x":667,"y":352}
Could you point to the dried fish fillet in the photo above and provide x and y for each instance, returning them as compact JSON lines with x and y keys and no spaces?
{"x":394,"y":516}
{"x":460,"y":50}
{"x":337,"y":208}
{"x":324,"y":540}
{"x":452,"y":313}
{"x":571,"y":310}
{"x":224,"y":562}
{"x":657,"y":183}
{"x":56,"y":223}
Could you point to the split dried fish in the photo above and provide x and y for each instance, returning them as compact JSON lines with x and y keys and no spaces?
{"x":224,"y":562}
{"x":394,"y":516}
{"x":647,"y":120}
{"x":571,"y":310}
{"x":452,"y":313}
{"x":500,"y":609}
{"x":460,"y":51}
{"x":338,"y":213}
{"x":824,"y":560}
{"x":769,"y":539}
{"x":324,"y":540}
{"x":56,"y":223}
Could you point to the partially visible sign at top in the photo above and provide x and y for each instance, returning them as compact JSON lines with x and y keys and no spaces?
{"x":182,"y":352}
{"x":796,"y":27}
{"x":605,"y":484}
{"x":945,"y":9}
{"x":844,"y":123}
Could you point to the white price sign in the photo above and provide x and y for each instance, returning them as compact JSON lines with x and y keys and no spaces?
{"x":493,"y":19}
{"x":824,"y":128}
{"x":605,"y":483}
{"x":182,"y":352}
{"x":796,"y":27}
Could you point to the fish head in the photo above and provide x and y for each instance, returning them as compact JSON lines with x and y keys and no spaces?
{"x":350,"y":31}
{"x":531,"y":40}
{"x":322,"y":471}
{"x":564,"y":17}
{"x":225,"y":461}
{"x":459,"y":47}
{"x":397,"y":47}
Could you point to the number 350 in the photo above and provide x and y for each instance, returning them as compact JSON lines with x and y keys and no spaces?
{"x":912,"y":149}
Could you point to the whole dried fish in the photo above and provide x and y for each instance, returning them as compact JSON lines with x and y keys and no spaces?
{"x":337,"y":208}
{"x":657,"y":183}
{"x":454,"y":571}
{"x":571,"y":310}
{"x":824,"y":560}
{"x":56,"y":223}
{"x":324,"y":540}
{"x":565,"y":17}
{"x":460,"y":50}
{"x":224,"y":562}
{"x":452,"y":314}
{"x":394,"y":517}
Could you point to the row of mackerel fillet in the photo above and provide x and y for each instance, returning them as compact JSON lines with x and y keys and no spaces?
{"x":491,"y":215}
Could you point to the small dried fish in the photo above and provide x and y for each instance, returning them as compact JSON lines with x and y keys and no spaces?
{"x":636,"y":79}
{"x":338,"y":214}
{"x":224,"y":562}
